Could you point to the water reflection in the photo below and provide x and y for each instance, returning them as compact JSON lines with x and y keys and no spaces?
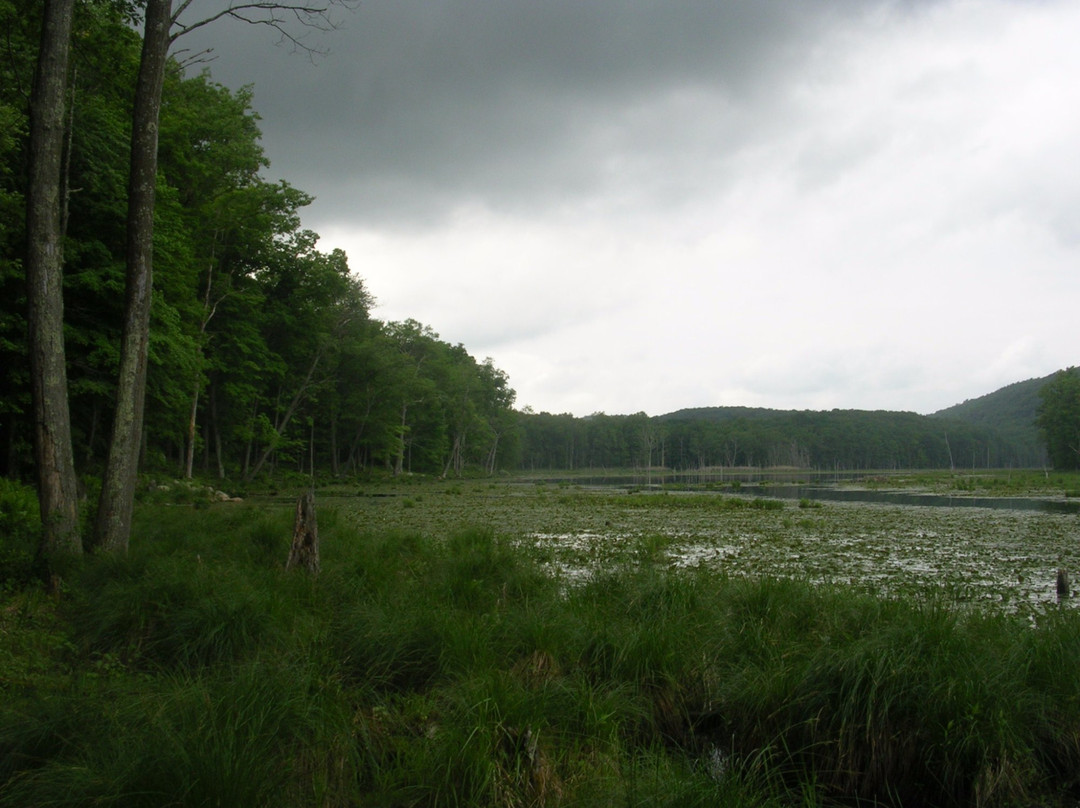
{"x":830,"y":494}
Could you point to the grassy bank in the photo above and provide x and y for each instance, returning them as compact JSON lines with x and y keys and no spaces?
{"x":452,"y":668}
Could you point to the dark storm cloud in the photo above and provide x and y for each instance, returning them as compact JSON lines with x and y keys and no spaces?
{"x":651,"y":204}
{"x":422,"y":106}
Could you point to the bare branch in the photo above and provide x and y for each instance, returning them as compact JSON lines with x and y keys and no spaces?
{"x":185,"y":57}
{"x":283,"y":17}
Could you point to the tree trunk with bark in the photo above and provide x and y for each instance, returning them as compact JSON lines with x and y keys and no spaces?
{"x":53,"y":453}
{"x":118,"y":483}
{"x":305,"y":542}
{"x":215,"y":425}
{"x":399,"y":458}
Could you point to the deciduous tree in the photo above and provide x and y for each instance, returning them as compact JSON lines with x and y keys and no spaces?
{"x":118,"y":483}
{"x":44,"y":285}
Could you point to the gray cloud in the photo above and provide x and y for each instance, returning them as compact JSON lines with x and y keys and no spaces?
{"x":668,"y":203}
{"x":515,"y":104}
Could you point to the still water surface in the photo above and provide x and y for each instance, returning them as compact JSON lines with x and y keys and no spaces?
{"x":839,"y":491}
{"x":834,"y":494}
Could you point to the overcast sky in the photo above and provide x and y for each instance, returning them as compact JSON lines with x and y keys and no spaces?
{"x":655,"y":204}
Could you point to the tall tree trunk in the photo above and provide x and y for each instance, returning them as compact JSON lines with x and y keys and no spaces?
{"x":189,"y":458}
{"x":452,"y":458}
{"x":250,"y":447}
{"x":53,"y":453}
{"x":335,"y":469}
{"x":91,"y":437}
{"x":208,"y":314}
{"x":493,"y":452}
{"x":311,"y":452}
{"x":118,"y":484}
{"x":399,"y":459}
{"x":215,"y":424}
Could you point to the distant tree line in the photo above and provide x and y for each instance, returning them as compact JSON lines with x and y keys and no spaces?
{"x":745,"y":437}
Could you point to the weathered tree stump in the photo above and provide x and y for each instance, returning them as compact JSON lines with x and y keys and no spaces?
{"x":305,"y":542}
{"x":1062,"y":584}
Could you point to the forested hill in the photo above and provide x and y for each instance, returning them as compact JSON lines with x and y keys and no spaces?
{"x":860,"y":438}
{"x":996,"y":430}
{"x":1011,"y":408}
{"x":723,"y":414}
{"x":1010,"y":411}
{"x":1005,"y":417}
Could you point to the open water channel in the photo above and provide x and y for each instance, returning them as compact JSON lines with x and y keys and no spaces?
{"x":821,"y":493}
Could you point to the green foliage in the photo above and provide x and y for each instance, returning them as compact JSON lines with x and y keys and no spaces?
{"x":887,"y":699}
{"x":256,"y":334}
{"x":733,"y":437}
{"x":236,"y":737}
{"x":20,"y":531}
{"x":1059,"y":418}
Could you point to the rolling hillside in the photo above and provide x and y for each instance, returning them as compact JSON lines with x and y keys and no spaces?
{"x":1003,"y":420}
{"x":993,"y":431}
{"x":1012,"y":408}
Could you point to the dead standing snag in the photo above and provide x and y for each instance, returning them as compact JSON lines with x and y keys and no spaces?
{"x":305,"y":541}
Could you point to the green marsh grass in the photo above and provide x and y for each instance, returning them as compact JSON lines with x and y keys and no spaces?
{"x":454,"y":670}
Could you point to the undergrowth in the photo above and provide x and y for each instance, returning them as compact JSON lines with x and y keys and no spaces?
{"x":455,"y":672}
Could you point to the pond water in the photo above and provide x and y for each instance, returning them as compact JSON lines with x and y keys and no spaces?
{"x":838,"y":494}
{"x":824,"y":486}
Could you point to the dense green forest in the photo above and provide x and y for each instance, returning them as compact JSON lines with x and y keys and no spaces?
{"x":998,"y":430}
{"x":750,"y":437}
{"x":264,"y":356}
{"x":263,"y":353}
{"x":1028,"y":424}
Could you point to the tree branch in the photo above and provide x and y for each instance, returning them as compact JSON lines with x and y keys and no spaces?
{"x":281,"y":16}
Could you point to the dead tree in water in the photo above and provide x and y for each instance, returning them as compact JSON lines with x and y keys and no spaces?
{"x":305,"y":542}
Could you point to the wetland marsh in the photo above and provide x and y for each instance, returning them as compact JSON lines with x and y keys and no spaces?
{"x":1001,"y":556}
{"x":525,"y":644}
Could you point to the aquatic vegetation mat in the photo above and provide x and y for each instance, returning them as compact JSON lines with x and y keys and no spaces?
{"x":983,"y":555}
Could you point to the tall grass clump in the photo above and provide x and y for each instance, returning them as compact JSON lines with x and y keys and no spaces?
{"x":238,"y":533}
{"x":419,"y":615}
{"x":1051,"y":657}
{"x":173,"y":612}
{"x":891,"y":701}
{"x":258,"y":734}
